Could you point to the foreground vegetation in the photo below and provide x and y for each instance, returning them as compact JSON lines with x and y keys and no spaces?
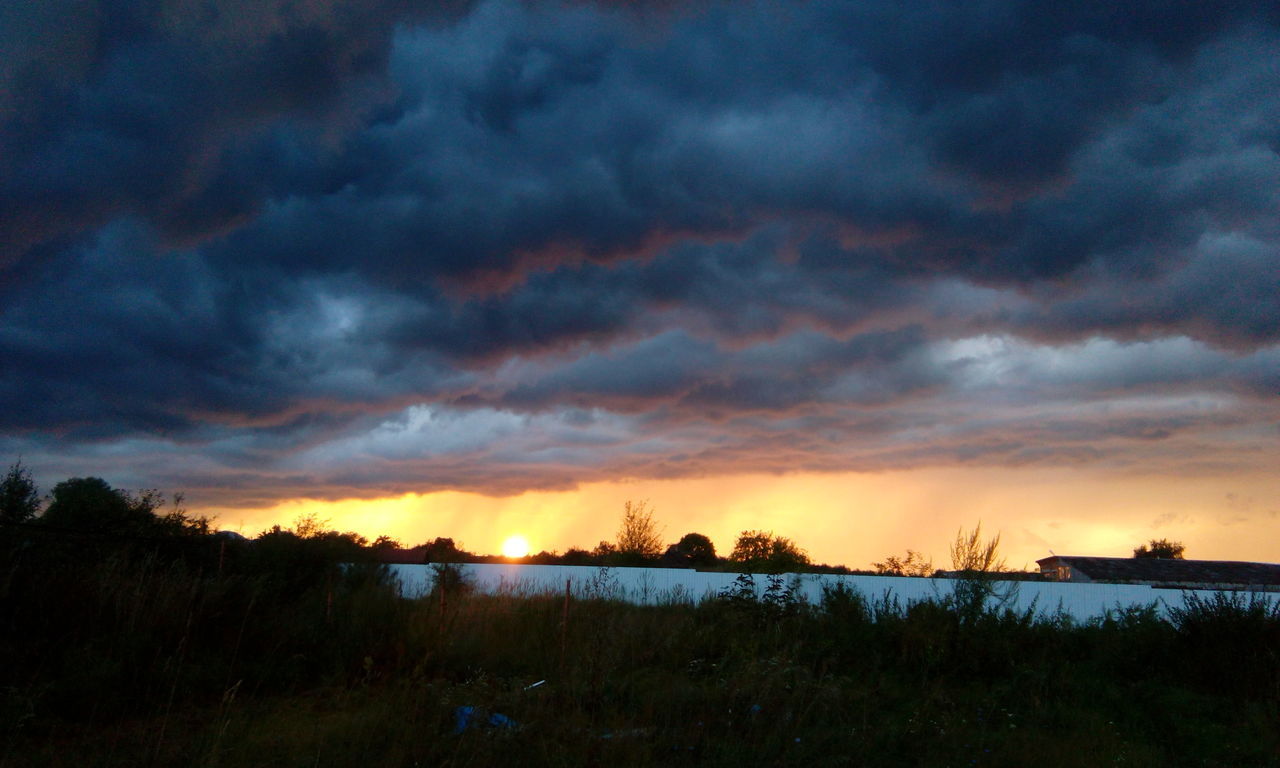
{"x":154,"y":656}
{"x":132,"y":635}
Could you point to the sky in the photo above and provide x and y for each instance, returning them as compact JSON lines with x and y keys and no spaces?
{"x":860,"y":273}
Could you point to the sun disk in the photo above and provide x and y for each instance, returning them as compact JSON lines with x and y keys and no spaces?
{"x":515,"y":546}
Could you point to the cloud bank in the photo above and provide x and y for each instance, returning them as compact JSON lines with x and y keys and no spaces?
{"x":258,"y":250}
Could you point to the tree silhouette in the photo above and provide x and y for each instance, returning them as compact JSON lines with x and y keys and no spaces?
{"x":970,"y":554}
{"x":763,"y":552}
{"x":914,"y":564}
{"x":89,"y":503}
{"x":19,"y":497}
{"x":578,"y":556}
{"x":638,"y":534}
{"x":1161,"y":549}
{"x":692,"y":549}
{"x":443,"y":550}
{"x":386,"y":543}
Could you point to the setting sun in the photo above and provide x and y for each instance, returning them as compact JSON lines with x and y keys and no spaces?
{"x":515,"y":546}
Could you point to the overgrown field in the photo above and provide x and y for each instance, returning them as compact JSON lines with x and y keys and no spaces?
{"x":145,"y":658}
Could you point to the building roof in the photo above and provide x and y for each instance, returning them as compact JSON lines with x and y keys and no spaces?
{"x":1148,"y":569}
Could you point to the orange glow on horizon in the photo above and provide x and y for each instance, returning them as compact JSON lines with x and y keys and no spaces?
{"x":849,"y":519}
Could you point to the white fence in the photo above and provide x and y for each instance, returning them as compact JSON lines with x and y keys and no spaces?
{"x":659,"y":585}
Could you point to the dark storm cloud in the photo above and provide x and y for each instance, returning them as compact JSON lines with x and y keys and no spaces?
{"x":523,"y":138}
{"x":1009,"y":91}
{"x":675,"y":371}
{"x":121,"y":337}
{"x":156,"y":108}
{"x":747,"y":232}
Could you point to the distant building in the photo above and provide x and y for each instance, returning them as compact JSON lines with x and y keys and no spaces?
{"x":1188,"y":574}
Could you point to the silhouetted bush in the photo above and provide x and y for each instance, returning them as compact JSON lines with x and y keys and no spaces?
{"x":1230,"y":641}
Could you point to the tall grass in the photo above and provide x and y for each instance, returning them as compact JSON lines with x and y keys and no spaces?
{"x":143,"y":659}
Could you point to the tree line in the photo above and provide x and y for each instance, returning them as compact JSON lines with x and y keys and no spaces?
{"x":89,"y":507}
{"x":638,"y":543}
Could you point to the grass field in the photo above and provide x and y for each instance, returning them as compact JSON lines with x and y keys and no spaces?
{"x":144,"y":660}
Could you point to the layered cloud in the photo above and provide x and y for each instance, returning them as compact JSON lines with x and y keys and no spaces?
{"x":335,"y":248}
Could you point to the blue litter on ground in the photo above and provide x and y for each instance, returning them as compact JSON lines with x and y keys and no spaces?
{"x":470,"y":717}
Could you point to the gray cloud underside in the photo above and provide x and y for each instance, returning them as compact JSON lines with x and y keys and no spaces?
{"x":353,"y":248}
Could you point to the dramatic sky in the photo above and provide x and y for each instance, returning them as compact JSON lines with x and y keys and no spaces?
{"x":856,"y":272}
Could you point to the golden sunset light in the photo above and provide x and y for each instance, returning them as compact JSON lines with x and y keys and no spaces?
{"x":849,"y":519}
{"x":515,"y":546}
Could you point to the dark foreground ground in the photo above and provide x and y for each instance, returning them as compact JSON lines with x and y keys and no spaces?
{"x":157,"y":662}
